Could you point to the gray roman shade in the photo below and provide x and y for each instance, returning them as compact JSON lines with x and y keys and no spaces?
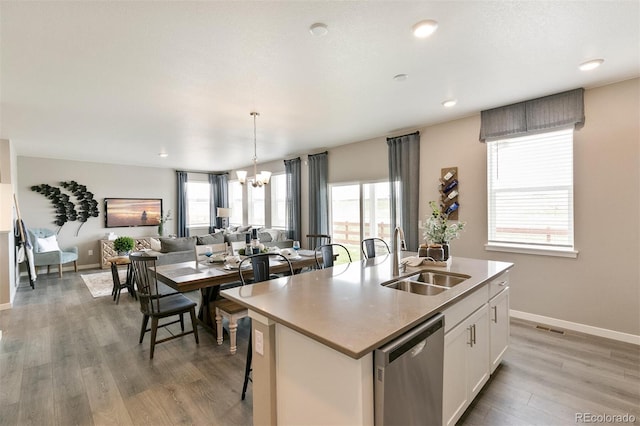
{"x":183,"y":230}
{"x":293,"y":214}
{"x":318,"y":194}
{"x":542,"y":114}
{"x":218,"y":197}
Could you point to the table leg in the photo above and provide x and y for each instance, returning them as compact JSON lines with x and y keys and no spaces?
{"x":207,"y":296}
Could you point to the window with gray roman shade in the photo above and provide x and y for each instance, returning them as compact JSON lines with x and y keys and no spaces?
{"x":542,"y":114}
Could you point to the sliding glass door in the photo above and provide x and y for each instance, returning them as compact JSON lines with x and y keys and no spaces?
{"x":359,"y":211}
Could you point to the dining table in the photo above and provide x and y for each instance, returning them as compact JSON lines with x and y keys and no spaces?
{"x":207,"y":277}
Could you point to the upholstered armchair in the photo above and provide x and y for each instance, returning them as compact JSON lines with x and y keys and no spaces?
{"x":46,"y":251}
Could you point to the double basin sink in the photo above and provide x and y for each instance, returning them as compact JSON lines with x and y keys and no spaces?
{"x":427,"y":282}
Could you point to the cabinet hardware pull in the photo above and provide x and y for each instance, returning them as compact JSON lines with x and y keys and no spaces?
{"x":502,"y":283}
{"x":474,"y":334}
{"x":495,"y":314}
{"x":470,"y":328}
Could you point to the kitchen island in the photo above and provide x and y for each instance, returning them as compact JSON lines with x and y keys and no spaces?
{"x":314,"y":334}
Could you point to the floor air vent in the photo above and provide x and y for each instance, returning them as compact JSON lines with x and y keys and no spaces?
{"x":552,"y":330}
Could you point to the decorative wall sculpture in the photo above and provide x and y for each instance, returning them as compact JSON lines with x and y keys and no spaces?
{"x":65,"y":209}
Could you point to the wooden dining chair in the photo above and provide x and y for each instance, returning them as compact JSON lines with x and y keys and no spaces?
{"x":233,"y":311}
{"x":156,"y":306}
{"x":327,"y":255}
{"x":371,"y":246}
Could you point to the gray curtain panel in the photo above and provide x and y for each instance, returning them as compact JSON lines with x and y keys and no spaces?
{"x":293,"y":204}
{"x":318,"y":194}
{"x":404,"y":179}
{"x":181,"y":216}
{"x":542,"y":114}
{"x":219,"y":197}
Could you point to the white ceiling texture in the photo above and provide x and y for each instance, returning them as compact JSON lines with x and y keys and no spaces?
{"x":121,"y":81}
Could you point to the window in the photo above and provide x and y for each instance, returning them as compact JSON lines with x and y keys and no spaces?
{"x":198,"y":194}
{"x":235,"y":203}
{"x":359,"y":211}
{"x":255,"y":197}
{"x":530,"y":192}
{"x":278,"y":186}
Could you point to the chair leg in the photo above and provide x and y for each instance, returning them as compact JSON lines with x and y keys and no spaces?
{"x":194,"y":324}
{"x":247,"y":367}
{"x":48,"y":269}
{"x":60,"y":269}
{"x":145,"y":322}
{"x":233,"y":332}
{"x":154,"y":332}
{"x":75,"y":265}
{"x":182,"y":322}
{"x":218,"y":326}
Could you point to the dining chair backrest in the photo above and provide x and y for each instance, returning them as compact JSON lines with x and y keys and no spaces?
{"x":327,"y":255}
{"x":371,"y":246}
{"x":146,"y":281}
{"x":316,"y":240}
{"x":260,"y":265}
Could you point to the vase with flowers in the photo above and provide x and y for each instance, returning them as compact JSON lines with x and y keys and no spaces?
{"x":438,"y":230}
{"x":163,"y":219}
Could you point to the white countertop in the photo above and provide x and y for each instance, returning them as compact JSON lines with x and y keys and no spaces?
{"x":347,"y":309}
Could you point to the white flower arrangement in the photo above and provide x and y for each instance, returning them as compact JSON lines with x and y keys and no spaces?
{"x":438,"y":229}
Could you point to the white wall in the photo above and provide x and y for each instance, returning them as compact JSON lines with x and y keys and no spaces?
{"x":7,"y":243}
{"x":104,"y":181}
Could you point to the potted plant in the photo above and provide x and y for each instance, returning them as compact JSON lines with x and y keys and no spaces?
{"x":438,"y":229}
{"x":123,"y":245}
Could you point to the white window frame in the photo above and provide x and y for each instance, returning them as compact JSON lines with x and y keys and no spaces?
{"x":273,"y":201}
{"x":190,"y":224}
{"x":493,"y":244}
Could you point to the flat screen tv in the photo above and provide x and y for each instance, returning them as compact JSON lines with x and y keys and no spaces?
{"x":121,"y":212}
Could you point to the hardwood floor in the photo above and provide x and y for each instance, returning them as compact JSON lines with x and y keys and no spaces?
{"x":69,"y":359}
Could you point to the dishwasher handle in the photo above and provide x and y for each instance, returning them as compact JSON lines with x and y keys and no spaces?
{"x":414,"y":340}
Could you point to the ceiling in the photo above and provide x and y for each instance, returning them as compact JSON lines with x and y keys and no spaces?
{"x":120,"y":82}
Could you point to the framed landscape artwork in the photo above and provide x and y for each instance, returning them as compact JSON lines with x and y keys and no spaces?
{"x":121,"y":212}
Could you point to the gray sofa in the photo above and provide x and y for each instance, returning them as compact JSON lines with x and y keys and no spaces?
{"x":175,"y":250}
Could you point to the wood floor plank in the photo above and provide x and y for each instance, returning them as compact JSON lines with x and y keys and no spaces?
{"x":11,"y":368}
{"x":73,"y":410}
{"x":107,"y":405}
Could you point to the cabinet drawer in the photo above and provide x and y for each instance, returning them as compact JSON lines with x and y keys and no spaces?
{"x":457,"y":312}
{"x":498,"y":284}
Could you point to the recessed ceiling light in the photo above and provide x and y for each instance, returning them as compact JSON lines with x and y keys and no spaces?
{"x":591,"y":65}
{"x":163,"y":155}
{"x":318,"y":29}
{"x":400,"y":77}
{"x":424,"y":29}
{"x":449,"y":103}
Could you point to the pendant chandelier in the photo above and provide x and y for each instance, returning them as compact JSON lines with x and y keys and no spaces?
{"x":261,"y":178}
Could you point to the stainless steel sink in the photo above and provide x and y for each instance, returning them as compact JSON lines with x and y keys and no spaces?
{"x":416,"y":287}
{"x":427,"y":282}
{"x":444,"y":279}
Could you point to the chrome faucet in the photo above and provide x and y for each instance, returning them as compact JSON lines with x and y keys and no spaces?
{"x":398,"y":232}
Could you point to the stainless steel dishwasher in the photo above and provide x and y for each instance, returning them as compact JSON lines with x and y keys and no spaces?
{"x":408,"y":377}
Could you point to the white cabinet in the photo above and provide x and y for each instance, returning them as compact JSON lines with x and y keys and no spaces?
{"x":466,"y":363}
{"x":499,"y":327}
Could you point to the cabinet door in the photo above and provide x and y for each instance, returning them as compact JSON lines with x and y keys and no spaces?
{"x":499,"y":313}
{"x":478,"y":357}
{"x":454,"y":378}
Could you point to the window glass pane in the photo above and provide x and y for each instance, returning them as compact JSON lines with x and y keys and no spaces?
{"x":235,"y":203}
{"x":345,"y":217}
{"x":530,"y":190}
{"x":376,"y":213}
{"x":198,"y":204}
{"x":278,"y":186}
{"x":256,"y":205}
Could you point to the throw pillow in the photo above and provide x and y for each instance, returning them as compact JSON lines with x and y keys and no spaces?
{"x":168,"y":245}
{"x":48,"y":244}
{"x":155,"y":244}
{"x":244,"y":228}
{"x":264,"y":237}
{"x":216,"y":238}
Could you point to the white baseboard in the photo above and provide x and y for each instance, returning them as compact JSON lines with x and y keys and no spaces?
{"x":5,"y":306}
{"x":574,"y":326}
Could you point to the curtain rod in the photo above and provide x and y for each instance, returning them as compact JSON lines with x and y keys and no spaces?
{"x":417,"y":132}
